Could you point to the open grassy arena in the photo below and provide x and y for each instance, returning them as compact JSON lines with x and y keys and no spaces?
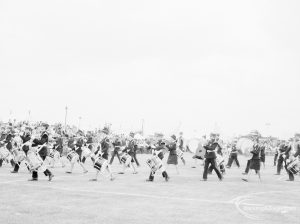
{"x":130,"y":199}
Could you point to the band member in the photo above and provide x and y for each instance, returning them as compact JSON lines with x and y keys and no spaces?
{"x":172,"y":158}
{"x":101,"y":164}
{"x":158,"y":156}
{"x":127,"y":160}
{"x":132,"y":148}
{"x":210,"y":157}
{"x":26,"y":137}
{"x":88,"y":150}
{"x":281,"y":156}
{"x":41,"y":144}
{"x":294,"y":158}
{"x":6,"y":147}
{"x":101,"y":161}
{"x":219,"y":158}
{"x":117,"y":147}
{"x":74,"y":152}
{"x":254,"y":162}
{"x":233,"y":156}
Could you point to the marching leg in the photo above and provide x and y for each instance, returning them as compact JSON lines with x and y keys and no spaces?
{"x":230,"y":160}
{"x":291,"y":175}
{"x":16,"y":168}
{"x":133,"y":167}
{"x":110,"y":172}
{"x":210,"y":169}
{"x":12,"y":163}
{"x":275,"y":158}
{"x":215,"y":168}
{"x":183,"y":161}
{"x":34,"y":176}
{"x":206,"y":164}
{"x":165,"y":175}
{"x":258,"y":173}
{"x":222,"y":169}
{"x":84,"y":169}
{"x":237,"y":161}
{"x":176,"y":167}
{"x":71,"y":167}
{"x":119,"y":158}
{"x":279,"y":165}
{"x":247,"y":168}
{"x":96,"y":175}
{"x":112,"y":157}
{"x":151,"y":177}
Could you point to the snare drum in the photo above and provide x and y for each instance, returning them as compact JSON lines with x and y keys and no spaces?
{"x":294,"y":166}
{"x":34,"y":159}
{"x":99,"y":163}
{"x":154,"y":163}
{"x":125,"y":158}
{"x":72,"y":156}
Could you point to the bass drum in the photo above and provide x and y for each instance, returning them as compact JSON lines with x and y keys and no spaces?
{"x":245,"y":145}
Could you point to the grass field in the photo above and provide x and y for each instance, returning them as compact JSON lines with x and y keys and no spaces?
{"x":130,"y":199}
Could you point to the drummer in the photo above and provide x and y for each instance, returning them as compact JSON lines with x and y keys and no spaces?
{"x":295,"y":156}
{"x":254,"y":162}
{"x":210,"y":157}
{"x":158,"y":153}
{"x":172,"y":158}
{"x":233,"y":155}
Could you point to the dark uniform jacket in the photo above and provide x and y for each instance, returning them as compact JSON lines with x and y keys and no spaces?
{"x":210,"y":149}
{"x":255,"y":152}
{"x":234,"y":149}
{"x":117,"y":145}
{"x":172,"y":148}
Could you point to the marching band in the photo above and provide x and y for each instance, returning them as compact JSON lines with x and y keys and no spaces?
{"x":39,"y":148}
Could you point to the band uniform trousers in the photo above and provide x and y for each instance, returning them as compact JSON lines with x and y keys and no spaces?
{"x":115,"y":153}
{"x":233,"y":157}
{"x":280,"y":164}
{"x":212,"y":162}
{"x":275,"y":158}
{"x":248,"y":166}
{"x":133,"y":155}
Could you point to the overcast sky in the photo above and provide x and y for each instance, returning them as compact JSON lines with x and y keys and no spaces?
{"x":194,"y":66}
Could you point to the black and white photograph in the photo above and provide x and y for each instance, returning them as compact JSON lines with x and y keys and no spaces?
{"x":149,"y":112}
